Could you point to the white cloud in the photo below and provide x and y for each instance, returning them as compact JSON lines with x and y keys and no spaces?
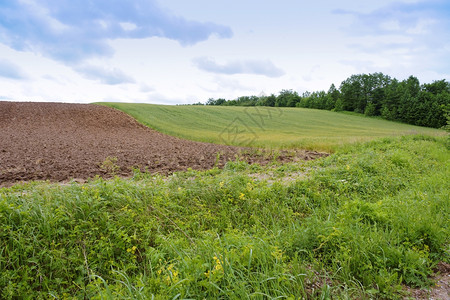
{"x":251,"y":66}
{"x":127,"y":26}
{"x":11,"y":71}
{"x":145,"y":88}
{"x":390,"y":25}
{"x":403,"y":38}
{"x":72,"y":31}
{"x":111,"y":76}
{"x":422,"y":27}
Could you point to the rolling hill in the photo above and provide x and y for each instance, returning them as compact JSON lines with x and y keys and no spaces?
{"x":266,"y":126}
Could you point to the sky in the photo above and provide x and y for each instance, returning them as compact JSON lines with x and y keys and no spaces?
{"x":183,"y":52}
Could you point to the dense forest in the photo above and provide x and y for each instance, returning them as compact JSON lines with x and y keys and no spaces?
{"x":374,"y":94}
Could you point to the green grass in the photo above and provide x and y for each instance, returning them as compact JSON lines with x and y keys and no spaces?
{"x":357,"y":224}
{"x":265,"y":126}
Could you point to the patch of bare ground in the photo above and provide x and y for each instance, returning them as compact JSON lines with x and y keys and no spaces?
{"x":439,"y":291}
{"x":59,"y":142}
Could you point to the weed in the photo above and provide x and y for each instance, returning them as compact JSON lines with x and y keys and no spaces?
{"x":109,"y":165}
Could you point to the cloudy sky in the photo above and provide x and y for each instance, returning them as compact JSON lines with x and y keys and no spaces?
{"x":179,"y":51}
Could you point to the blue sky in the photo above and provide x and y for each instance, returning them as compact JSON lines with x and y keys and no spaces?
{"x":179,"y":52}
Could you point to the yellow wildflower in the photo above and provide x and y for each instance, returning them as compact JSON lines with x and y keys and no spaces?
{"x":277,"y":253}
{"x":132,"y":250}
{"x":218,"y":268}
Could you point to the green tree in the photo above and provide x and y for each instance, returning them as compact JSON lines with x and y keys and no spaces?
{"x":318,"y":100}
{"x":219,"y":101}
{"x":391,"y":101}
{"x":408,"y":104}
{"x":287,"y":98}
{"x":270,"y":101}
{"x":332,"y":96}
{"x":351,"y":92}
{"x":305,"y":100}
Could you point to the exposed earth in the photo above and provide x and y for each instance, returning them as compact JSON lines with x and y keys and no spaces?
{"x":439,"y":291}
{"x":60,"y":142}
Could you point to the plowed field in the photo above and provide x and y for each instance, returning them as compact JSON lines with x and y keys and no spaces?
{"x":59,"y":142}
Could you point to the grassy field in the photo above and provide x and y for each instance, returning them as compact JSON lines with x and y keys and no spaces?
{"x":265,"y":126}
{"x":363,"y":223}
{"x":358,"y":224}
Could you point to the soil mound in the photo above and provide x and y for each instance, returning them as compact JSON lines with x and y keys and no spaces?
{"x":59,"y":141}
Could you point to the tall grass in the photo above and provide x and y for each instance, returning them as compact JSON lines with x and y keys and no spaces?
{"x":267,"y":126}
{"x":358,"y":224}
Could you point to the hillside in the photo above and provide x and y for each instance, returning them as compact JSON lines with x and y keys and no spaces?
{"x":266,"y":126}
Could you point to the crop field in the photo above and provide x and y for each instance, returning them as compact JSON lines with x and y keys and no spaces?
{"x":369,"y":221}
{"x":266,"y":126}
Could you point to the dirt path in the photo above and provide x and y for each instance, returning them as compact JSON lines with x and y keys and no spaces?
{"x":58,"y":142}
{"x":441,"y":288}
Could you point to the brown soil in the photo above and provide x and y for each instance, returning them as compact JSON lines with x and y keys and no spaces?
{"x":441,"y":288}
{"x":59,"y":142}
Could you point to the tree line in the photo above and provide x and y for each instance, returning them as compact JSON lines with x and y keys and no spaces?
{"x":374,"y":94}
